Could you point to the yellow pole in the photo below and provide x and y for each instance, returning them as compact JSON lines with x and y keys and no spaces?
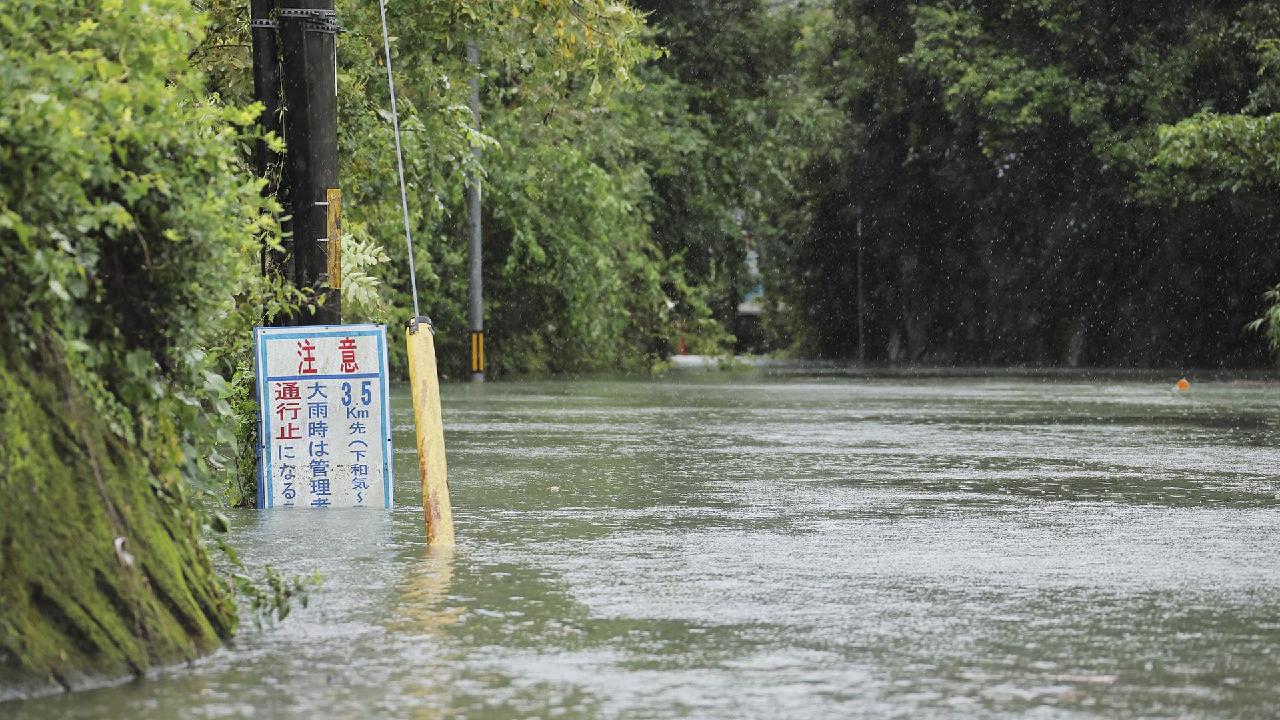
{"x":430,"y":431}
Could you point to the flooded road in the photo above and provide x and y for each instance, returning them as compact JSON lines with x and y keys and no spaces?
{"x":747,"y":546}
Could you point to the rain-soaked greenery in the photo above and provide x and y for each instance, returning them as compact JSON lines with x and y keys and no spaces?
{"x":1021,"y":182}
{"x":1040,"y":181}
{"x":1026,"y":181}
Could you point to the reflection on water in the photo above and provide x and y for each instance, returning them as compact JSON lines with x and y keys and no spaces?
{"x":744,"y":546}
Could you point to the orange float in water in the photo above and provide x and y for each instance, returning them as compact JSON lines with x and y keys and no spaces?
{"x":1182,"y":385}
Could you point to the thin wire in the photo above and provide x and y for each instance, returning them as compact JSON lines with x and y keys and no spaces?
{"x":395,"y":124}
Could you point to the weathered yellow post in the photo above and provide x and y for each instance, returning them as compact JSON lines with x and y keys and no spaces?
{"x":430,"y":432}
{"x":427,"y":422}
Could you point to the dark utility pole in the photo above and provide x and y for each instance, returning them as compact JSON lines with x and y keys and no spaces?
{"x":473,"y":225}
{"x":862,"y":338}
{"x":304,"y":75}
{"x":266,"y":88}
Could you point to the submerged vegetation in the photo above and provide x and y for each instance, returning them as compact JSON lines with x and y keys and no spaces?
{"x":1029,"y":181}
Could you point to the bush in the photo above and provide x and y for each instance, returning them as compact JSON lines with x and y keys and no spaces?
{"x":130,"y":232}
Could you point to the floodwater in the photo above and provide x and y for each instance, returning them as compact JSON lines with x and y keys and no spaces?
{"x":741,"y":545}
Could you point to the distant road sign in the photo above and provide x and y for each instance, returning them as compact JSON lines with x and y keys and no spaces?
{"x":324,"y":420}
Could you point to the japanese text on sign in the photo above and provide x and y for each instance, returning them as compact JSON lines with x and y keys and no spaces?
{"x":324,"y":419}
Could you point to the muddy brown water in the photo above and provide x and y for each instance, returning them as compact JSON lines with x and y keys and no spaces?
{"x":747,"y":545}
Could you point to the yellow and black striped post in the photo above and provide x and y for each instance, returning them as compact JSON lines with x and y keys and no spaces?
{"x":475,"y":249}
{"x":477,"y":354}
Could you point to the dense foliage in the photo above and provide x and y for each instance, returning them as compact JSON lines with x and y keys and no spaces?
{"x":1033,"y":182}
{"x":737,"y":123}
{"x":1041,"y":181}
{"x":129,"y":237}
{"x":573,"y":278}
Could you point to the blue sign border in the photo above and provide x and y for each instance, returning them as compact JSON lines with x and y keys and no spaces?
{"x":260,"y":336}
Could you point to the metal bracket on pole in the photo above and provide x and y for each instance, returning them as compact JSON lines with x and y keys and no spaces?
{"x":313,"y":20}
{"x":417,"y":322}
{"x":308,"y":13}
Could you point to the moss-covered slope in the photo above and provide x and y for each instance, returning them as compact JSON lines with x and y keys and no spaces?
{"x":130,"y":237}
{"x":102,"y":565}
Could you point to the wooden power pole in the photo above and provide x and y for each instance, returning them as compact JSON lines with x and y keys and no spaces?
{"x":295,"y":61}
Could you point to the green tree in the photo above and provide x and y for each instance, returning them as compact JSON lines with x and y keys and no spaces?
{"x":573,"y":282}
{"x":999,"y":158}
{"x":1214,"y":155}
{"x":732,"y":123}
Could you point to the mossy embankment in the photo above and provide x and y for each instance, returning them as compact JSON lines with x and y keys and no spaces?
{"x":130,"y":236}
{"x":104,"y":570}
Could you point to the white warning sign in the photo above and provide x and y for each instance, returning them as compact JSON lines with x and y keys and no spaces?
{"x":324,"y":421}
